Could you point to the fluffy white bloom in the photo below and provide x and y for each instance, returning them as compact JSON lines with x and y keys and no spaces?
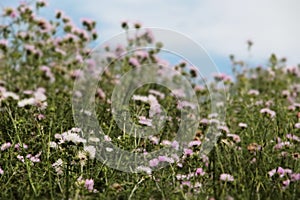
{"x":226,"y":177}
{"x":91,"y":150}
{"x":72,"y":137}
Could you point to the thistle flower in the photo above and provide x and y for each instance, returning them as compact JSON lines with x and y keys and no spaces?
{"x":89,"y":184}
{"x":226,"y":177}
{"x":5,"y":146}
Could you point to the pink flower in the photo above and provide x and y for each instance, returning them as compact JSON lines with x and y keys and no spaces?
{"x":222,"y":77}
{"x":1,"y":171}
{"x":297,"y":125}
{"x":182,"y":104}
{"x":175,"y":145}
{"x":235,"y":137}
{"x":3,"y":42}
{"x":107,"y":138}
{"x":253,"y":92}
{"x":5,"y":146}
{"x":17,"y":146}
{"x":21,"y":158}
{"x":134,"y":62}
{"x":188,"y":152}
{"x":186,"y":183}
{"x":268,"y":111}
{"x":272,"y":172}
{"x":165,"y":159}
{"x":199,"y":171}
{"x":154,"y":162}
{"x":141,"y":54}
{"x":226,"y":177}
{"x":295,"y":177}
{"x":143,"y":120}
{"x":280,"y":171}
{"x":286,"y":183}
{"x":89,"y":184}
{"x":153,"y":139}
{"x":194,"y":143}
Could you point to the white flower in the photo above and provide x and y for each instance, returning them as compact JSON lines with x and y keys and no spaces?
{"x":253,"y":92}
{"x":226,"y":177}
{"x":268,"y":111}
{"x":58,"y":166}
{"x":143,"y":120}
{"x":91,"y":150}
{"x":144,"y":169}
{"x":53,"y":145}
{"x":25,"y":102}
{"x":72,"y":137}
{"x":243,"y":125}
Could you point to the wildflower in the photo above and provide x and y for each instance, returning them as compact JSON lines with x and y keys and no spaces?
{"x":286,"y":183}
{"x":107,"y":138}
{"x":297,"y":125}
{"x":48,"y":73}
{"x":144,"y":169}
{"x":243,"y":125}
{"x":280,"y":145}
{"x":101,"y":93}
{"x":226,"y":177}
{"x":140,"y":98}
{"x":268,"y":111}
{"x":222,"y":77}
{"x":182,"y":104}
{"x":143,"y":120}
{"x":5,"y":146}
{"x":199,"y":171}
{"x":175,"y":145}
{"x":165,"y":159}
{"x":293,"y":137}
{"x":53,"y":145}
{"x":186,"y":183}
{"x":3,"y":43}
{"x":154,"y":106}
{"x":21,"y":158}
{"x":58,"y":166}
{"x":17,"y":146}
{"x":153,"y":139}
{"x":141,"y":54}
{"x":109,"y":149}
{"x":295,"y":177}
{"x":204,"y":121}
{"x":157,"y":93}
{"x":179,"y":93}
{"x":194,"y":143}
{"x":253,"y":92}
{"x":213,"y":115}
{"x":82,"y":157}
{"x":91,"y":150}
{"x":285,"y":93}
{"x":89,"y":184}
{"x":134,"y":62}
{"x":280,"y":171}
{"x":224,"y":128}
{"x":72,"y":137}
{"x":235,"y":137}
{"x":154,"y":162}
{"x":188,"y":152}
{"x":94,"y":139}
{"x":1,"y":171}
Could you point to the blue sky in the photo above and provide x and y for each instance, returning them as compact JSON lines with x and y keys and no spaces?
{"x":221,"y":27}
